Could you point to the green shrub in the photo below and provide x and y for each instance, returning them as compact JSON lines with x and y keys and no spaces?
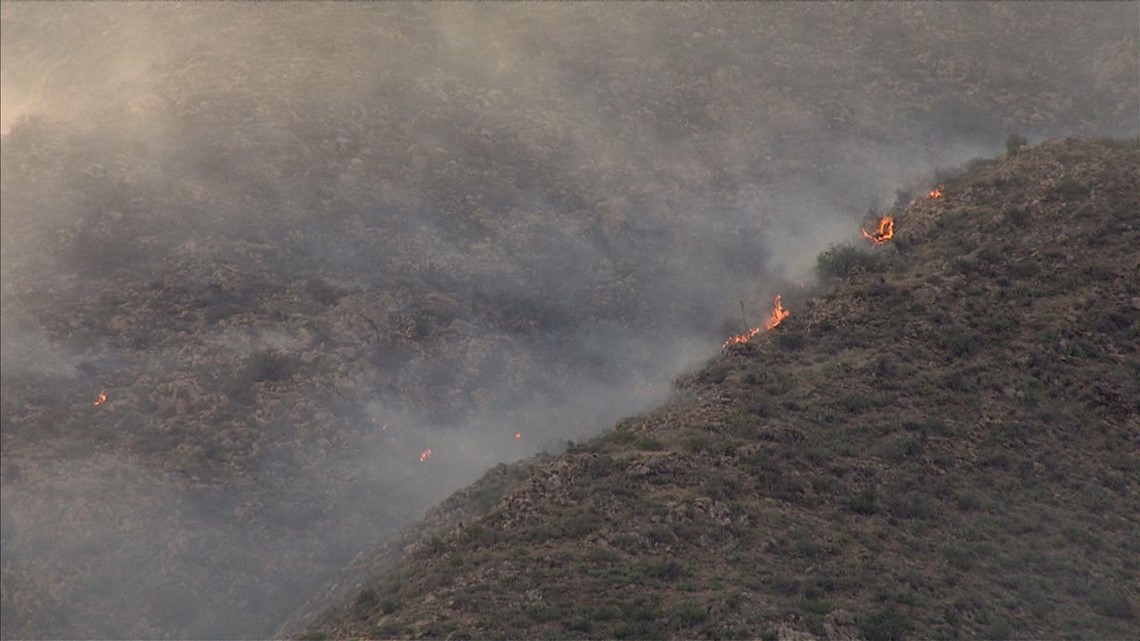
{"x":865,"y":502}
{"x":790,"y":341}
{"x":648,"y":443}
{"x":692,"y":614}
{"x":885,"y":625}
{"x":1115,"y":604}
{"x":839,"y":260}
{"x":667,"y":571}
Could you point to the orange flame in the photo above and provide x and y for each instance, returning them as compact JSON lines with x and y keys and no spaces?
{"x":102,"y":398}
{"x":778,"y":316}
{"x":518,"y":435}
{"x":935,"y":194}
{"x":425,"y":455}
{"x":885,"y":232}
{"x":742,"y":338}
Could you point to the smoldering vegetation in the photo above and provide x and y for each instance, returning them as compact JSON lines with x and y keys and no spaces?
{"x":298,"y":245}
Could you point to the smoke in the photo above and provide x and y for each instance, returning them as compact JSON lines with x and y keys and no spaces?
{"x":271,"y":230}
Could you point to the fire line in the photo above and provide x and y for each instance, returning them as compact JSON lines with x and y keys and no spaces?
{"x":777,"y":317}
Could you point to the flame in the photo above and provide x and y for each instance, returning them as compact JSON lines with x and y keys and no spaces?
{"x":102,"y":398}
{"x":778,"y":316}
{"x":518,"y":436}
{"x":425,"y":455}
{"x":935,"y":194}
{"x":885,"y":232}
{"x":742,"y":338}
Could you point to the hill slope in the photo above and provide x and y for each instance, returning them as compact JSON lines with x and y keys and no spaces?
{"x":944,"y":445}
{"x":297,"y":245}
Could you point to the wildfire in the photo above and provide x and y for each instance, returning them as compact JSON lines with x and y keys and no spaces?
{"x":742,"y":338}
{"x":425,"y":455}
{"x":778,"y":316}
{"x":885,"y":232}
{"x":101,"y":399}
{"x":935,"y":194}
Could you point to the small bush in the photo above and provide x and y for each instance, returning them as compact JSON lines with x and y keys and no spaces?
{"x":839,"y":260}
{"x":790,"y":341}
{"x":1115,"y":604}
{"x":885,"y":625}
{"x":722,"y":488}
{"x":959,"y":341}
{"x":366,"y":603}
{"x":692,"y":614}
{"x":1014,"y":143}
{"x":323,"y":292}
{"x":1018,"y":217}
{"x":648,"y":443}
{"x":271,"y":365}
{"x":667,"y":571}
{"x":865,"y":502}
{"x":1071,"y":189}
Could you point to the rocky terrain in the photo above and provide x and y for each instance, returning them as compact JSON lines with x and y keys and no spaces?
{"x":276,"y":280}
{"x":942,"y":446}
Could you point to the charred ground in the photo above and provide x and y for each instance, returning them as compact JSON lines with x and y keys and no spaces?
{"x":943,"y":446}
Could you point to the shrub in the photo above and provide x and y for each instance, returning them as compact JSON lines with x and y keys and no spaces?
{"x":959,"y":341}
{"x":1018,"y":217}
{"x":647,"y":442}
{"x":366,"y":603}
{"x":790,"y":341}
{"x":692,"y":614}
{"x":1115,"y":604}
{"x":885,"y":625}
{"x":271,"y":365}
{"x":839,"y":260}
{"x":323,"y":292}
{"x":1014,"y":143}
{"x":1071,"y":189}
{"x":722,"y":488}
{"x":864,"y":502}
{"x":667,"y":571}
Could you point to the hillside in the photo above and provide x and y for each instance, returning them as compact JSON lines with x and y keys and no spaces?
{"x":278,"y":278}
{"x":944,"y":445}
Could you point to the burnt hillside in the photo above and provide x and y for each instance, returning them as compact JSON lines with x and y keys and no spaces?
{"x":944,"y":445}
